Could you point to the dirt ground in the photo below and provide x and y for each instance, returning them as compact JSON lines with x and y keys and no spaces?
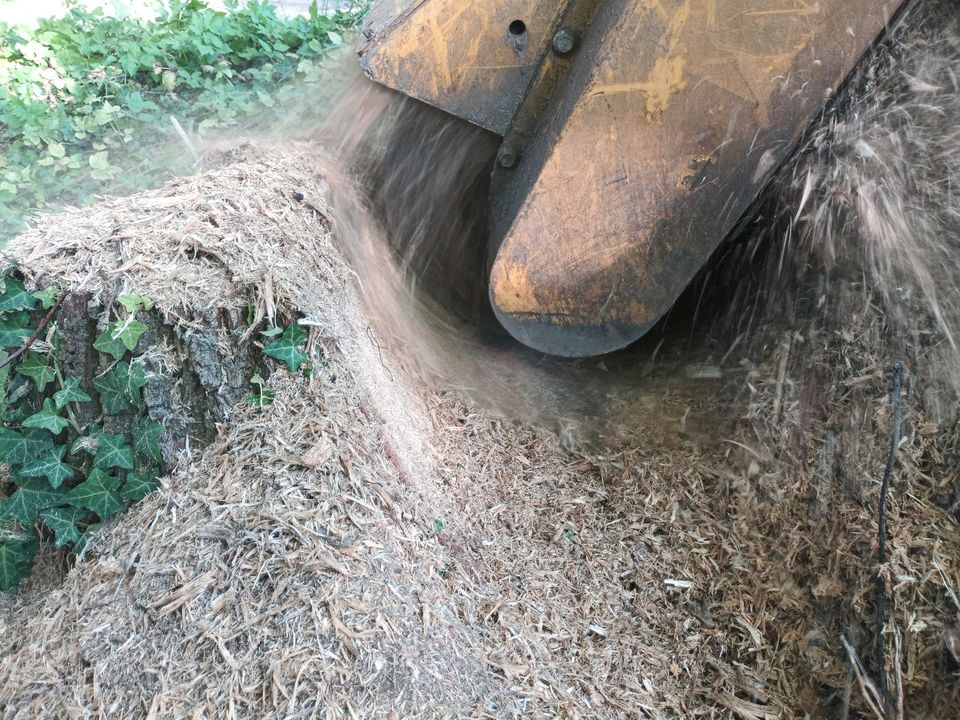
{"x":372,"y":545}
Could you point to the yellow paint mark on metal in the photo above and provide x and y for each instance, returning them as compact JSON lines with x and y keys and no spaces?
{"x":459,"y":55}
{"x":804,"y":10}
{"x":660,"y":10}
{"x":667,"y":77}
{"x":513,"y":290}
{"x":440,"y":52}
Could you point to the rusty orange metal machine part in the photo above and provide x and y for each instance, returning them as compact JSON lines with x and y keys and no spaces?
{"x":636,"y":134}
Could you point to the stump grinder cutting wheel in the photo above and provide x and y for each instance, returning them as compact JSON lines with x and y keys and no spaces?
{"x":636,"y":135}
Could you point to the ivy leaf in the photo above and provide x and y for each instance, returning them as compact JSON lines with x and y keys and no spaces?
{"x":51,"y":466}
{"x":87,"y":534}
{"x":135,"y":378}
{"x":261,"y":400}
{"x":87,"y":443}
{"x":289,"y":347}
{"x":129,"y":333}
{"x":46,"y":419}
{"x":19,"y":448}
{"x":32,"y":495}
{"x":131,"y":302}
{"x":71,"y":392}
{"x":13,"y":332}
{"x":63,"y":521}
{"x":108,"y":344}
{"x":15,"y":297}
{"x":119,"y":337}
{"x":272,"y":332}
{"x":111,"y":389}
{"x":120,"y":388}
{"x":146,"y":435}
{"x":35,"y":367}
{"x":112,"y":451}
{"x":47,"y":296}
{"x":138,"y":486}
{"x":16,"y":561}
{"x":100,"y":493}
{"x":37,"y":442}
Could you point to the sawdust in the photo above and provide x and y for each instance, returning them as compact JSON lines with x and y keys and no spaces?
{"x":367,"y":547}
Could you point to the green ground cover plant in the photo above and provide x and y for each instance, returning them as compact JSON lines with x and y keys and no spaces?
{"x":66,"y":477}
{"x":91,"y":104}
{"x":63,"y":471}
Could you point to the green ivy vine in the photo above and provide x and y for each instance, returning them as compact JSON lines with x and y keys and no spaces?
{"x":66,"y":477}
{"x":288,"y":345}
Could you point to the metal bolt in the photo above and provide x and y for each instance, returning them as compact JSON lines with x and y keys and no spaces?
{"x":507,"y":156}
{"x":564,"y":41}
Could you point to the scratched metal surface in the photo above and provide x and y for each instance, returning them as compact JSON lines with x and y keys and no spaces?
{"x":459,"y":55}
{"x":650,"y":153}
{"x":640,"y":156}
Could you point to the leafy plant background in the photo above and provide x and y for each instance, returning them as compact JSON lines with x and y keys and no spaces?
{"x":66,"y":477}
{"x":86,"y":100}
{"x":92,"y":104}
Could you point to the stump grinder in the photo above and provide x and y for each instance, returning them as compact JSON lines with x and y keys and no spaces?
{"x":636,"y":135}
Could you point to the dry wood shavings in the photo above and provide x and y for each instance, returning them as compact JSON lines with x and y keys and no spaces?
{"x":365,"y":547}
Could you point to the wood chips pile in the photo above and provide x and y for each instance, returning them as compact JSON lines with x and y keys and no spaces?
{"x":368,"y":547}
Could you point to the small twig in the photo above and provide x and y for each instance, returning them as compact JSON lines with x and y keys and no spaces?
{"x":36,"y":333}
{"x":868,"y":690}
{"x":185,"y":139}
{"x":882,"y":537}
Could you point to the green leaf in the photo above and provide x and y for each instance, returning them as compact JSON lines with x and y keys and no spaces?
{"x":56,"y":150}
{"x":100,"y":160}
{"x":12,"y":332}
{"x":19,"y":448}
{"x":107,"y":343}
{"x":111,"y":388}
{"x":46,"y":419}
{"x":272,"y":332}
{"x":47,"y":296}
{"x":263,"y":399}
{"x":15,"y":297}
{"x":146,"y":435}
{"x":87,"y":534}
{"x":63,"y":522}
{"x":130,"y":331}
{"x":71,"y":392}
{"x":134,"y":101}
{"x":131,"y":302}
{"x":16,"y":561}
{"x":112,"y":451}
{"x":119,"y":337}
{"x":134,"y":378}
{"x":100,"y":493}
{"x":35,"y":367}
{"x":86,"y":443}
{"x":289,"y":347}
{"x":32,"y":496}
{"x":51,"y":466}
{"x":138,"y":486}
{"x":120,"y":388}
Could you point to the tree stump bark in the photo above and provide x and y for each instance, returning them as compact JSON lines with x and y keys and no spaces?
{"x":198,"y":366}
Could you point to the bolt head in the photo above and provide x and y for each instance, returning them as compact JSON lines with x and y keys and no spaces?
{"x":564,"y":41}
{"x":507,"y":157}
